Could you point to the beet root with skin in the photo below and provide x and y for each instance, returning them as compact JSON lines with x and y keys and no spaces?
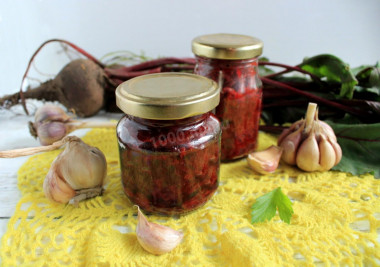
{"x":79,"y":86}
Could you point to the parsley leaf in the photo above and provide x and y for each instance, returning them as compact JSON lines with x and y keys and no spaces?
{"x":265,"y":207}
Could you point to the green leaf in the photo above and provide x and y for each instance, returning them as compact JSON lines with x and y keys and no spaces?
{"x":334,"y":70}
{"x":369,"y":78}
{"x":265,"y":207}
{"x":360,"y":145}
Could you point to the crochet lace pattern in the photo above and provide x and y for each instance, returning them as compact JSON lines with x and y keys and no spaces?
{"x":336,"y":220}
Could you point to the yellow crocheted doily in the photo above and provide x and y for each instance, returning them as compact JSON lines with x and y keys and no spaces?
{"x":335,"y":222}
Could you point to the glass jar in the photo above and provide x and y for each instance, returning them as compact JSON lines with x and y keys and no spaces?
{"x":169,"y":141}
{"x":233,"y":60}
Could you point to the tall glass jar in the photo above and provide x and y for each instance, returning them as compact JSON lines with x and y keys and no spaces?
{"x":169,"y":141}
{"x":233,"y":60}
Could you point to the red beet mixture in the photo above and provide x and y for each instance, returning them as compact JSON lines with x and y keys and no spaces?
{"x":240,"y":103}
{"x":169,"y":167}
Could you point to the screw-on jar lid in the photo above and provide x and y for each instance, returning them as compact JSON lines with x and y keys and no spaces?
{"x":167,"y":96}
{"x":227,"y":46}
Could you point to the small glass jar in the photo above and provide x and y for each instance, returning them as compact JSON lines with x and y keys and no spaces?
{"x":233,"y":60}
{"x":169,"y":141}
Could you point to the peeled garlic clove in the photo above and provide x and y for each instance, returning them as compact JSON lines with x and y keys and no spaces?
{"x":328,"y":157}
{"x":265,"y":161}
{"x":290,"y":146}
{"x":154,"y":238}
{"x":308,"y":154}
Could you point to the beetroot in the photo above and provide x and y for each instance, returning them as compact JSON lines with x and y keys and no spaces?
{"x":78,"y":86}
{"x":87,"y":85}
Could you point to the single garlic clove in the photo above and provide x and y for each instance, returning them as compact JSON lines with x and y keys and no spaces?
{"x":55,"y":188}
{"x":327,"y":130}
{"x":308,"y":154}
{"x":265,"y":161}
{"x":328,"y":157}
{"x":154,"y":238}
{"x":290,"y":146}
{"x":295,"y":126}
{"x":338,"y":151}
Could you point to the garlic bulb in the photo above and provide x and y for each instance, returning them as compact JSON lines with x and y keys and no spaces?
{"x":310,"y":144}
{"x":76,"y":174}
{"x":265,"y":161}
{"x":51,"y":124}
{"x":155,"y":238}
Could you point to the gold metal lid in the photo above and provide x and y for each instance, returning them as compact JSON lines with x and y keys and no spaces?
{"x":167,"y":96}
{"x":227,"y":46}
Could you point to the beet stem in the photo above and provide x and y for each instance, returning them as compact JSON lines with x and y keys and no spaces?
{"x":288,"y":68}
{"x":314,"y":97}
{"x":160,"y":62}
{"x":120,"y":74}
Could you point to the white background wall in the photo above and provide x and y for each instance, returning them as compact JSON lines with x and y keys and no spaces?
{"x":291,"y":30}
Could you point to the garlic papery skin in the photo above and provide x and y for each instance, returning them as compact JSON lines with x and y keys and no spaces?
{"x":310,"y":144}
{"x":155,"y":238}
{"x":265,"y":161}
{"x":78,"y":173}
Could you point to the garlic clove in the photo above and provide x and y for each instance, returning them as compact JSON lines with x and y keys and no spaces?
{"x":265,"y":161}
{"x":154,"y":238}
{"x":338,"y":151}
{"x":327,"y":130}
{"x":55,"y":188}
{"x":290,"y":146}
{"x":295,"y":126}
{"x":308,"y":154}
{"x":328,"y":157}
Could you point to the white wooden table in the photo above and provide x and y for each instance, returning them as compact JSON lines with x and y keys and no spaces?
{"x":14,"y":133}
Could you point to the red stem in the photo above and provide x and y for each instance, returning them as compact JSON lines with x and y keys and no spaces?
{"x":288,"y":68}
{"x":123,"y":75}
{"x":159,"y":62}
{"x":314,"y":97}
{"x":80,"y":50}
{"x":178,"y":68}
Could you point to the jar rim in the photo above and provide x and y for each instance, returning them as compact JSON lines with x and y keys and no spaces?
{"x":227,"y":46}
{"x":167,"y":96}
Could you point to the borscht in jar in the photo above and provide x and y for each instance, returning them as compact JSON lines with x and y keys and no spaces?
{"x":233,"y":60}
{"x":169,"y":141}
